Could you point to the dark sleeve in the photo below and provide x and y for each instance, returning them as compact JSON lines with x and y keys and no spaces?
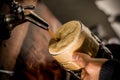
{"x":115,"y":49}
{"x":110,"y":70}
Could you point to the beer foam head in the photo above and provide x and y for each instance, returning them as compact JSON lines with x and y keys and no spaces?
{"x":66,"y":36}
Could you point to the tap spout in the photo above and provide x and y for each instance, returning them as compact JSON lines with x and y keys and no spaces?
{"x":35,"y":19}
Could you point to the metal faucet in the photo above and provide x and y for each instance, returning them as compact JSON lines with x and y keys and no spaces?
{"x":18,"y":15}
{"x":25,"y":13}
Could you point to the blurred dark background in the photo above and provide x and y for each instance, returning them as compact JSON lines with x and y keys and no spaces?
{"x":85,"y":11}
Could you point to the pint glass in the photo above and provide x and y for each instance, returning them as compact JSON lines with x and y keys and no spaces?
{"x":71,"y":37}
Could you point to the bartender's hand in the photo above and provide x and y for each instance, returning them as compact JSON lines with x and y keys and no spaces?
{"x":91,"y":66}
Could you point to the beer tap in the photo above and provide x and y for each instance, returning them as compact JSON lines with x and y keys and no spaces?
{"x":18,"y":15}
{"x":25,"y":13}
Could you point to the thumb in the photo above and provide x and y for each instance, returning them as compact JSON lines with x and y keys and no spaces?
{"x":81,"y":59}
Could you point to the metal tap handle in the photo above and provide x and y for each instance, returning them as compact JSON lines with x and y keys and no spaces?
{"x":31,"y":16}
{"x":10,"y":73}
{"x":26,"y":14}
{"x":18,"y":15}
{"x":23,"y":14}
